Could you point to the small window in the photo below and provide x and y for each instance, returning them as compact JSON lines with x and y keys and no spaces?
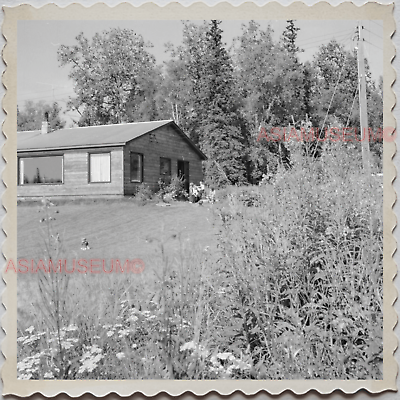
{"x":41,"y":170}
{"x":100,"y":167}
{"x":165,"y":169}
{"x":136,"y":167}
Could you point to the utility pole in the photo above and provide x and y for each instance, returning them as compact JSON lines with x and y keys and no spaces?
{"x":362,"y":92}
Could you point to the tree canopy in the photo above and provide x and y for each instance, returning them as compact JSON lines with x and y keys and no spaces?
{"x":32,"y":115}
{"x":115,"y":77}
{"x":221,"y":97}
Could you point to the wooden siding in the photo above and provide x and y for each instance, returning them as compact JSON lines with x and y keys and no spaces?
{"x":76,"y":175}
{"x":164,"y":142}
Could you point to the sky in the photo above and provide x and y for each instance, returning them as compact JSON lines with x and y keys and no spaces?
{"x":41,"y":78}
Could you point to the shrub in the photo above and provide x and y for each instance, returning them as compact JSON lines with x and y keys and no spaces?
{"x":175,"y":190}
{"x":143,"y":194}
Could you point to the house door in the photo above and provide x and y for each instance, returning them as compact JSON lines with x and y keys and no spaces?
{"x":183,"y":171}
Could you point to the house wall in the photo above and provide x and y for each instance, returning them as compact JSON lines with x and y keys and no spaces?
{"x":76,"y":175}
{"x":163,"y":142}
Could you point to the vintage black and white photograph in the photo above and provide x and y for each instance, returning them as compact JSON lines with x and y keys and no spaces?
{"x":200,"y":199}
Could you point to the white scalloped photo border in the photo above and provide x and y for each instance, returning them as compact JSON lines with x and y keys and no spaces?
{"x":175,"y":11}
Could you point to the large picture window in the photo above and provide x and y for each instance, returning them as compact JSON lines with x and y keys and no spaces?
{"x":41,"y":170}
{"x":136,"y":167}
{"x":165,"y":169}
{"x":100,"y":167}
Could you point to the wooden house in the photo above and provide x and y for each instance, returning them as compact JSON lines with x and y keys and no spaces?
{"x":107,"y":160}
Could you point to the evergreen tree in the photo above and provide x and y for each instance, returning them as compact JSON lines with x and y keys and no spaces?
{"x":220,"y":133}
{"x":288,"y":39}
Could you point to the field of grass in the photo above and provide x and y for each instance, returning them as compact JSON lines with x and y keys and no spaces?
{"x":277,"y":281}
{"x":117,"y":228}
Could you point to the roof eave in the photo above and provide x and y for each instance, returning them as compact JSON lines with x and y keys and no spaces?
{"x":195,"y":147}
{"x":87,"y":146}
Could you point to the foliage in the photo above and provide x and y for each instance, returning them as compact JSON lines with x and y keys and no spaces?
{"x":143,"y":194}
{"x":115,"y":77}
{"x":303,"y":273}
{"x":220,"y":134}
{"x":30,"y":118}
{"x":174,"y":190}
{"x":288,"y":38}
{"x":222,"y":99}
{"x":181,"y":84}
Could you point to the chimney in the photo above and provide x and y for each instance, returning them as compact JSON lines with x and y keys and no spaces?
{"x":45,"y":126}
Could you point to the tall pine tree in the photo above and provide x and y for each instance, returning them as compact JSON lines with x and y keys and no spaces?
{"x":220,"y":133}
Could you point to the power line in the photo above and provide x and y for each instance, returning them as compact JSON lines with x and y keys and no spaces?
{"x":380,"y":37}
{"x":352,"y":106}
{"x":47,"y":97}
{"x":311,"y":40}
{"x":380,"y":48}
{"x":344,"y":41}
{"x":338,"y":38}
{"x":46,"y":90}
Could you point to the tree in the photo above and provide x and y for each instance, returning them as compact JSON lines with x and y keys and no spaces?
{"x":270,"y":85}
{"x":288,"y":39}
{"x":335,"y":91}
{"x":30,"y":118}
{"x":220,"y":134}
{"x":115,"y":77}
{"x":183,"y":74}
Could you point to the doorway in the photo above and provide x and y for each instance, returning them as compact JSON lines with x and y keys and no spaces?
{"x":183,"y":171}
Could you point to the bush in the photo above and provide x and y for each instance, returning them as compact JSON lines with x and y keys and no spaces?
{"x":175,"y":190}
{"x":143,"y":194}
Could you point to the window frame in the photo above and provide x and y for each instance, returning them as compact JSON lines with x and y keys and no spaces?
{"x":21,"y":182}
{"x":163,"y":176}
{"x":89,"y":166}
{"x":141,"y":169}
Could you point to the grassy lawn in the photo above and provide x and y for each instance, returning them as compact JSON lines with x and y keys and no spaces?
{"x":118,"y":229}
{"x":115,"y":229}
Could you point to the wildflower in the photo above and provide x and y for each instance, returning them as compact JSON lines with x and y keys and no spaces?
{"x":72,"y":328}
{"x":120,"y":356}
{"x":123,"y":332}
{"x":133,"y":318}
{"x":48,"y":375}
{"x":225,"y":356}
{"x":66,"y":345}
{"x":146,"y":313}
{"x":89,"y":364}
{"x":110,"y":333}
{"x":134,"y":346}
{"x":89,"y":360}
{"x":188,"y":346}
{"x":96,"y":349}
{"x":30,"y":329}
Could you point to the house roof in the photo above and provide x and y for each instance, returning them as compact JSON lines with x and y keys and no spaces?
{"x":92,"y":136}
